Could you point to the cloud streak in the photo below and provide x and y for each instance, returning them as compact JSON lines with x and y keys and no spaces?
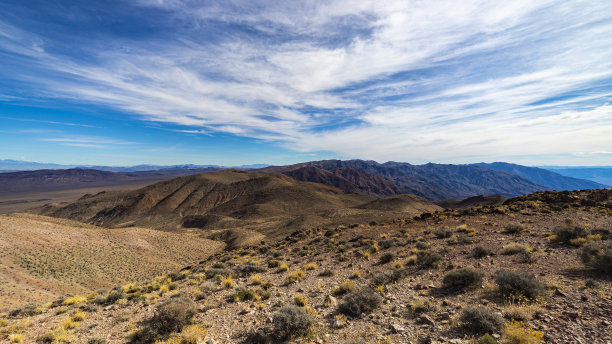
{"x":439,"y":81}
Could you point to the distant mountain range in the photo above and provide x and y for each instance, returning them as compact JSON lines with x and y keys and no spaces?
{"x":435,"y":181}
{"x":600,"y":174}
{"x":430,"y":181}
{"x":550,"y":179}
{"x":8,"y":165}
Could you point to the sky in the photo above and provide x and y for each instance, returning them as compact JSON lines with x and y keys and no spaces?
{"x":278,"y":82}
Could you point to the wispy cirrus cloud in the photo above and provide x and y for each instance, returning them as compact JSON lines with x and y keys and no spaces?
{"x":440,"y":81}
{"x":87,"y":141}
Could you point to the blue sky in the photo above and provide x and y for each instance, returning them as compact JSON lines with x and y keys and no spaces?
{"x":241,"y":82}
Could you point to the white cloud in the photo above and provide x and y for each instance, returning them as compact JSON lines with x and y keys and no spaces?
{"x":478,"y":78}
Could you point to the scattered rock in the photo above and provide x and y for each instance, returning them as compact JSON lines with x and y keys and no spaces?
{"x":427,"y":320}
{"x":397,"y":328}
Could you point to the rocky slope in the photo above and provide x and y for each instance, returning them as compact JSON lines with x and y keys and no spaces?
{"x":510,"y":274}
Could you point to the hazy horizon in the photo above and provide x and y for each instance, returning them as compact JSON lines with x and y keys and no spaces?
{"x":236,"y":83}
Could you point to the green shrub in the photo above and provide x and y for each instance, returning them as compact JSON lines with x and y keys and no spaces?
{"x":326,"y":273}
{"x":388,"y":276}
{"x":598,"y":258}
{"x":242,"y":294}
{"x":462,"y":279}
{"x":564,"y":234}
{"x":344,"y":287}
{"x":513,"y":229}
{"x":480,"y":320}
{"x":169,"y":317}
{"x":486,"y":339}
{"x":26,"y":311}
{"x":427,"y":259}
{"x":442,"y":233}
{"x":386,"y":258}
{"x":363,"y":301}
{"x":518,"y":282}
{"x":291,"y":321}
{"x":480,"y":252}
{"x":111,"y":298}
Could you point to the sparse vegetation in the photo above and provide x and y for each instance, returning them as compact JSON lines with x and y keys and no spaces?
{"x":386,"y":257}
{"x":480,"y":252}
{"x":598,"y":257}
{"x":461,"y":279}
{"x":360,"y":302}
{"x":170,"y":317}
{"x":565,"y":234}
{"x":427,"y":259}
{"x":513,"y":229}
{"x":344,"y":287}
{"x":290,"y":321}
{"x":480,"y":320}
{"x":518,"y":283}
{"x":515,"y":332}
{"x":443,"y":233}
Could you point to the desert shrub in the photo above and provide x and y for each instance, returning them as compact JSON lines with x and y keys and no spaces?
{"x":513,"y":283}
{"x":248,"y":269}
{"x":362,"y":301}
{"x":26,"y":311}
{"x":170,"y":316}
{"x":388,"y":276}
{"x":326,"y":273}
{"x":52,"y":337}
{"x":479,"y":252}
{"x":96,"y":340}
{"x":310,"y":266}
{"x":480,"y":320}
{"x":464,"y":241}
{"x":344,"y":287}
{"x":274,"y":263}
{"x":515,"y":332}
{"x":442,"y":233}
{"x":295,"y":276}
{"x":598,"y":258}
{"x":514,"y":248}
{"x":214,"y":272}
{"x":564,"y":234}
{"x":486,"y":339}
{"x":427,"y":259}
{"x":385,"y":244}
{"x":177,"y":276}
{"x":462,"y":279}
{"x":513,"y":229}
{"x":603,"y":232}
{"x":291,"y":321}
{"x":242,"y":294}
{"x":300,"y":300}
{"x":386,"y":258}
{"x":422,"y":305}
{"x":422,"y":245}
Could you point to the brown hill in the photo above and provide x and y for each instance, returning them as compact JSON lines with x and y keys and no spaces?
{"x":401,"y":203}
{"x":43,"y":257}
{"x":471,"y":202}
{"x":270,"y":203}
{"x":348,"y":179}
